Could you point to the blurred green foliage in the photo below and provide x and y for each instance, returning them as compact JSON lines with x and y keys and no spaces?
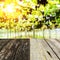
{"x":38,"y":15}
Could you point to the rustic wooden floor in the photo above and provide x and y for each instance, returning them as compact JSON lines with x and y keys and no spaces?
{"x":15,"y":49}
{"x":29,"y":49}
{"x":44,"y":49}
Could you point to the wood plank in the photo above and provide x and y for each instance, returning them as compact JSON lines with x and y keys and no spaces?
{"x":48,"y":50}
{"x":55,"y":47}
{"x":44,"y":53}
{"x":39,"y":50}
{"x":34,"y":50}
{"x":16,"y":50}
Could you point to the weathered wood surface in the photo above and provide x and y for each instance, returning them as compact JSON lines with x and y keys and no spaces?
{"x":41,"y":50}
{"x":33,"y":49}
{"x":14,"y":49}
{"x":55,"y":45}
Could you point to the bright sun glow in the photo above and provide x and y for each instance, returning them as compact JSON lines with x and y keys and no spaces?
{"x":9,"y":9}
